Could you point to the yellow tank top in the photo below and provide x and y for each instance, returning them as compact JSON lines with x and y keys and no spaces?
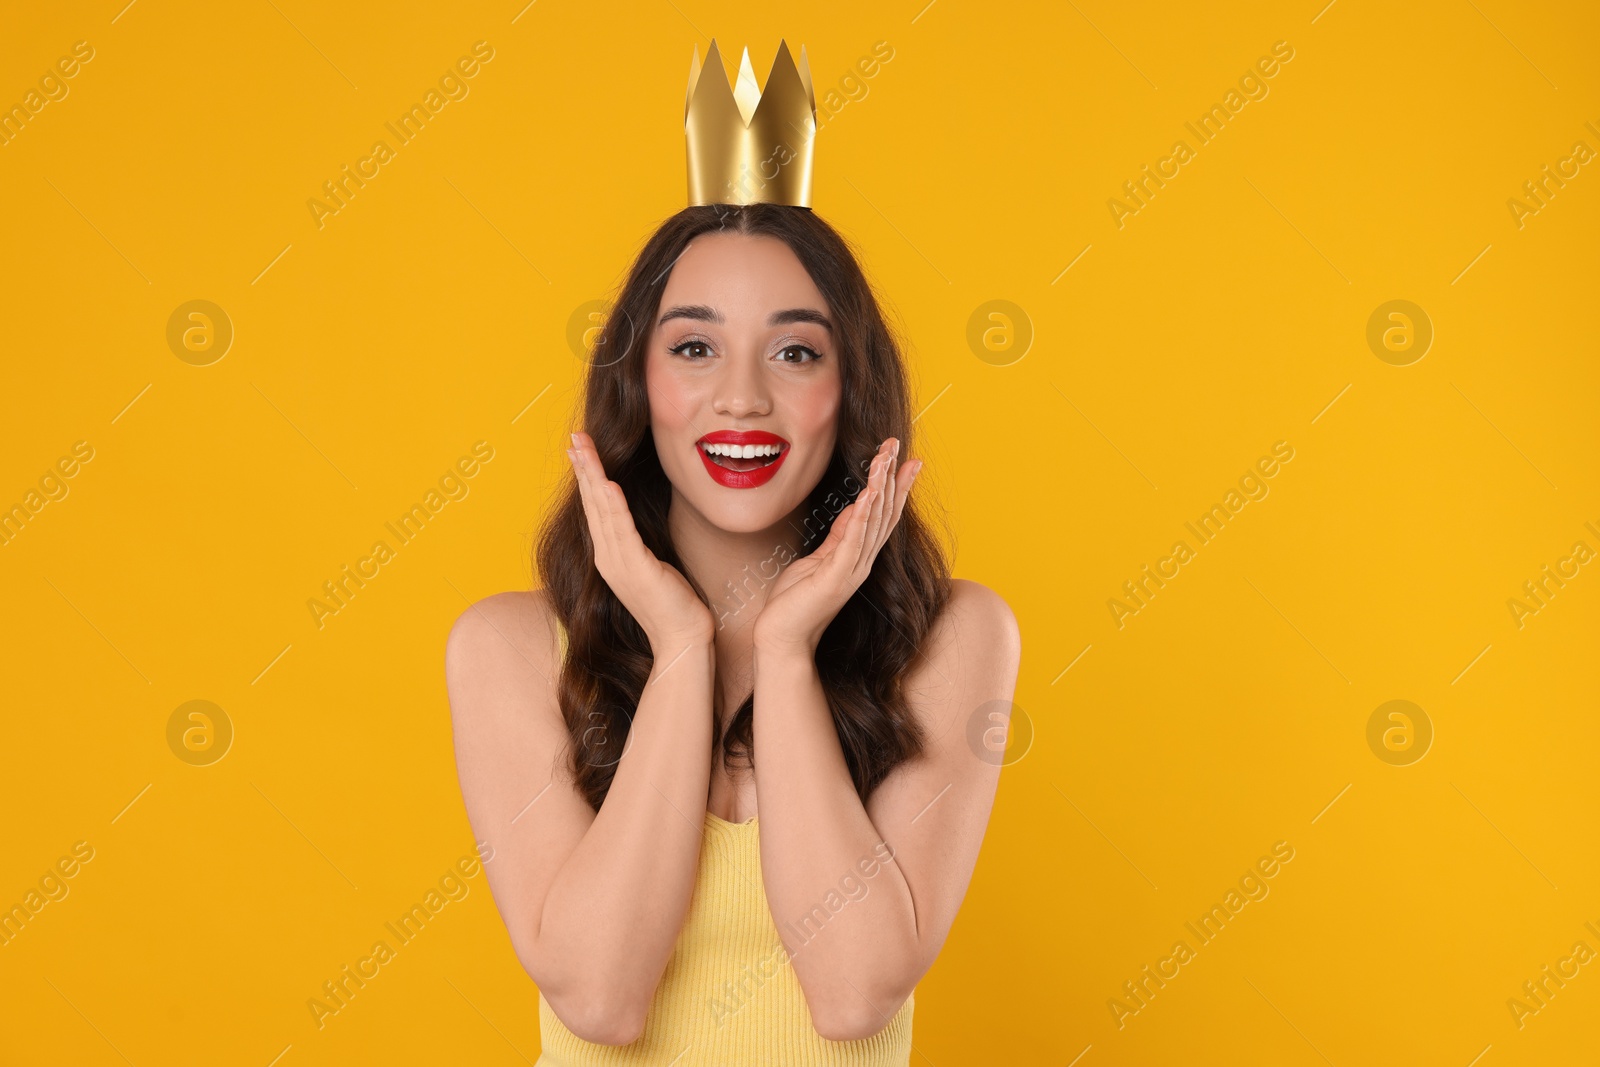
{"x":729,"y":996}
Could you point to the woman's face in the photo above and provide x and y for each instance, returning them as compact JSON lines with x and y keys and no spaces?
{"x":742,"y":356}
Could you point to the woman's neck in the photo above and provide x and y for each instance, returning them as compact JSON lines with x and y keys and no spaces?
{"x":736,"y":570}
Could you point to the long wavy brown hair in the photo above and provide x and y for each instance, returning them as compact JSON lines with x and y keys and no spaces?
{"x":865,"y":652}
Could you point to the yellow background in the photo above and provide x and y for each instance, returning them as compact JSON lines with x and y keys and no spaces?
{"x":1227,"y":314}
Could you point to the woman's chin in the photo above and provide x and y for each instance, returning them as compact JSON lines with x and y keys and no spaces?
{"x":738,"y":511}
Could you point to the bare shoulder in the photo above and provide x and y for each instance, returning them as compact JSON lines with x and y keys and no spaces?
{"x":510,"y":747}
{"x":982,"y":613}
{"x":970,"y":656}
{"x":976,"y":629}
{"x":505,"y":640}
{"x":935,"y":809}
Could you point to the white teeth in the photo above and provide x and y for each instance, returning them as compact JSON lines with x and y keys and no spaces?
{"x":742,"y":451}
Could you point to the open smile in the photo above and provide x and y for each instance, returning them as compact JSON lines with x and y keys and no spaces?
{"x":742,"y":459}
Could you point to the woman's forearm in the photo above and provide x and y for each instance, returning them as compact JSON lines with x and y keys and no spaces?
{"x":613,"y":913}
{"x":855,"y":963}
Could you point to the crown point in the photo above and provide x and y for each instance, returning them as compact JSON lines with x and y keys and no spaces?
{"x":746,"y":93}
{"x":805,"y":79}
{"x":694,"y":78}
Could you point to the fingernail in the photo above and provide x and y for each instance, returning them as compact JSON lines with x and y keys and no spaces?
{"x":574,"y":440}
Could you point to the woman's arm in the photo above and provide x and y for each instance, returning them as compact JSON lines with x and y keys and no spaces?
{"x":593,"y":902}
{"x":862,"y":930}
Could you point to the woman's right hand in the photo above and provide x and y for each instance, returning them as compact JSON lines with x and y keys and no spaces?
{"x":655,"y":593}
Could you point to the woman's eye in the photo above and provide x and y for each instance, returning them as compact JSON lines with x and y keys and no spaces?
{"x":682,"y":349}
{"x":808,"y":352}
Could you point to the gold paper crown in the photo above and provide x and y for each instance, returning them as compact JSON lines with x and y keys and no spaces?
{"x":749,"y":145}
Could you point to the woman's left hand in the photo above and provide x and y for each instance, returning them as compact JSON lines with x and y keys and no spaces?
{"x":812,"y":589}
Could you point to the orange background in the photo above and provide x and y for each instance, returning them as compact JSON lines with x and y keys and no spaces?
{"x":1167,"y":354}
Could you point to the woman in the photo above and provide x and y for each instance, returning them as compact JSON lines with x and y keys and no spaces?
{"x":722,"y":756}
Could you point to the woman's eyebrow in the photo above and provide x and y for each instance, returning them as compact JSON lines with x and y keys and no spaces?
{"x":698,"y":312}
{"x":702,"y":313}
{"x":781,"y":318}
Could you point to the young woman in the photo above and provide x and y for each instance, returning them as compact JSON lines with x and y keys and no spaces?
{"x":722,"y":756}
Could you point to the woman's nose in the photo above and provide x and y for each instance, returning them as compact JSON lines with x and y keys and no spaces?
{"x":741,"y":389}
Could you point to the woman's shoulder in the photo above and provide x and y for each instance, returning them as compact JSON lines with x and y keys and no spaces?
{"x":964,"y":675}
{"x":977,"y":612}
{"x":975,"y":643}
{"x":503,"y":638}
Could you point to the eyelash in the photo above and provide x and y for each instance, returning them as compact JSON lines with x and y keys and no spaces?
{"x":815,"y":355}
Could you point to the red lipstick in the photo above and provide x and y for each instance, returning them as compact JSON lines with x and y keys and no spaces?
{"x":742,"y":479}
